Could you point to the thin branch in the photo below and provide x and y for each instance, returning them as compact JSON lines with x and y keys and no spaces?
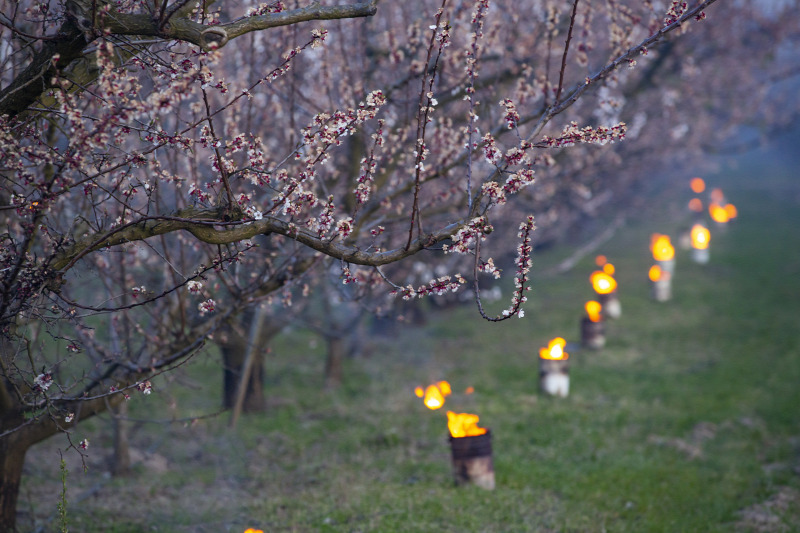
{"x":566,"y":50}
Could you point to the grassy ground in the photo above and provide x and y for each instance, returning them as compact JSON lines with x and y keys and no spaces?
{"x":689,"y":419}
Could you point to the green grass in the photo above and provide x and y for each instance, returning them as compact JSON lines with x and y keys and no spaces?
{"x":687,"y":421}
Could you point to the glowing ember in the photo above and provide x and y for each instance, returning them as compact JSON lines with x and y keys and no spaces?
{"x":718,"y":213}
{"x":602,"y":282}
{"x":554,"y":350}
{"x":696,"y":205}
{"x":433,"y":395}
{"x":609,"y":269}
{"x":731,"y":210}
{"x":697,"y":185}
{"x":600,"y":260}
{"x":593,"y":309}
{"x":661,"y":247}
{"x":700,"y":237}
{"x":463,"y":425}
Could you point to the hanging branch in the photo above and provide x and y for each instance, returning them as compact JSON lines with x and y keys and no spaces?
{"x":424,"y":108}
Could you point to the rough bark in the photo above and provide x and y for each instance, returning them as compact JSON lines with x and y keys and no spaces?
{"x":334,"y":361}
{"x":234,"y":344}
{"x":233,"y":359}
{"x":81,"y":27}
{"x":12,"y":459}
{"x":121,"y":461}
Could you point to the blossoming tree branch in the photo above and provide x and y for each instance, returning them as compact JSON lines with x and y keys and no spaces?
{"x":167,"y":166}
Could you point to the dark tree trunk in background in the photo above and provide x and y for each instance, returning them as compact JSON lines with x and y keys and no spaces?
{"x":233,"y":358}
{"x":234,"y":344}
{"x":337,"y":348}
{"x":12,"y":459}
{"x":121,"y":461}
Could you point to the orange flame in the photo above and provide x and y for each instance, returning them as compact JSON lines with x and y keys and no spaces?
{"x":433,"y":395}
{"x":718,"y":213}
{"x":609,"y":269}
{"x":463,"y":425}
{"x":697,"y":185}
{"x":657,"y":274}
{"x":696,"y":205}
{"x":554,"y":350}
{"x":600,"y":260}
{"x":593,"y":309}
{"x":251,"y":530}
{"x":602,"y":282}
{"x":661,"y":247}
{"x":700,"y":237}
{"x":731,"y":210}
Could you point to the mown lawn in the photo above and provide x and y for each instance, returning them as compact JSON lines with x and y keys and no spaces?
{"x":688,"y":420}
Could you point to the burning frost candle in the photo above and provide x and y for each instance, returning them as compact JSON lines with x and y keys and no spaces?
{"x":662,"y":288}
{"x":592,"y":326}
{"x":701,"y":238}
{"x":471,"y":448}
{"x":554,"y":368}
{"x":664,"y":255}
{"x":605,"y":286}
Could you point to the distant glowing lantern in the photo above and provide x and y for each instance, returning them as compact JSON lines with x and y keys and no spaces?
{"x":732,"y":211}
{"x":600,"y":260}
{"x":661,"y":247}
{"x":700,"y":237}
{"x":697,"y":185}
{"x":717,"y":196}
{"x":471,"y":448}
{"x":602,"y":282}
{"x":696,"y":205}
{"x":469,"y":390}
{"x":718,"y":213}
{"x":592,"y":327}
{"x":593,"y":309}
{"x":662,"y":283}
{"x":605,"y":286}
{"x":433,"y":395}
{"x":555,"y":350}
{"x":554,"y":368}
{"x":700,"y":240}
{"x":655,"y":273}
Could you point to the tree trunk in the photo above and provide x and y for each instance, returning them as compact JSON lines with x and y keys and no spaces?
{"x":22,"y":435}
{"x":121,"y":462}
{"x":234,"y":343}
{"x":12,"y":459}
{"x":233,"y":358}
{"x":334,"y":361}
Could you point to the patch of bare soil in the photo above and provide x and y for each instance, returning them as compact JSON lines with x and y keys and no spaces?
{"x":692,"y":444}
{"x":780,"y":513}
